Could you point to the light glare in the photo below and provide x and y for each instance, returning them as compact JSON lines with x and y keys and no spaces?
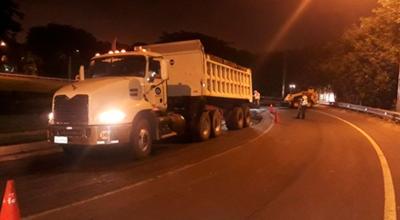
{"x":51,"y":116}
{"x":111,"y":117}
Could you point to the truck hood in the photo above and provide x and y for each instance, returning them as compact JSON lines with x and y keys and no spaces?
{"x":91,"y":86}
{"x":109,"y":93}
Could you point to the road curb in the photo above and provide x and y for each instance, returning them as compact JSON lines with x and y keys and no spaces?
{"x":20,"y":151}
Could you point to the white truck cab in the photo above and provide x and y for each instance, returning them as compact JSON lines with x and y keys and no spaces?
{"x":150,"y":93}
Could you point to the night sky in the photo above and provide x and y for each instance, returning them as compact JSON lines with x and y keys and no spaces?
{"x":250,"y":24}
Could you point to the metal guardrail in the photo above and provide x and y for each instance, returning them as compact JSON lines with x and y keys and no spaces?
{"x":390,"y":115}
{"x":34,"y":77}
{"x":13,"y":82}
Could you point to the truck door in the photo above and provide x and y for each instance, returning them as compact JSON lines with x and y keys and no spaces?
{"x":157,"y":95}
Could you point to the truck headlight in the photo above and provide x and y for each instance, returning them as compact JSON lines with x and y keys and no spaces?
{"x":111,"y":117}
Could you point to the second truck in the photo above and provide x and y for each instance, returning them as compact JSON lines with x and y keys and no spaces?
{"x":151,"y":93}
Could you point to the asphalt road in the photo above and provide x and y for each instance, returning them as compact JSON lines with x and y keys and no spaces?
{"x":318,"y":168}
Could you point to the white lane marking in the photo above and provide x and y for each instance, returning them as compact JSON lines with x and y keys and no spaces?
{"x":390,"y":197}
{"x":129,"y":187}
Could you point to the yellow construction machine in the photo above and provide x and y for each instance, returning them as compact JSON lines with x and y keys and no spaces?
{"x":293,"y":99}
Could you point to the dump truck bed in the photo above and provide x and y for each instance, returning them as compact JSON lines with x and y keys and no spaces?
{"x":192,"y":72}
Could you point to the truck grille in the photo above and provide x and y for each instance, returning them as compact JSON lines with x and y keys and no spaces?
{"x":71,"y":111}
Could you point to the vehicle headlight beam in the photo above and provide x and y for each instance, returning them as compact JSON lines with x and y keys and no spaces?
{"x":111,"y":117}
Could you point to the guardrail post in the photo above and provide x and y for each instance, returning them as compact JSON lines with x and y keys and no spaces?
{"x":398,"y":92}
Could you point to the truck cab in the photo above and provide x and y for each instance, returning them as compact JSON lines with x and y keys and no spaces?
{"x":122,"y":89}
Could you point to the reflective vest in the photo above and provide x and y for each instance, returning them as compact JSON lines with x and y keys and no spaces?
{"x":304,"y":101}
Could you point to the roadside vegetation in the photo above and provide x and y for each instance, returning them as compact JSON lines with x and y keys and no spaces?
{"x":363,"y":65}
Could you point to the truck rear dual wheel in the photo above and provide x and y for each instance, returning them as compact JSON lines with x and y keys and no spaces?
{"x":247,"y":116}
{"x":235,"y":119}
{"x":141,"y":139}
{"x":216,"y":123}
{"x":202,"y":129}
{"x":209,"y":124}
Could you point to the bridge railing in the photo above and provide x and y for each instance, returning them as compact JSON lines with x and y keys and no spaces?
{"x":390,"y":115}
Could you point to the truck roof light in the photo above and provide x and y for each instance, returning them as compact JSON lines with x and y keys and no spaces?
{"x":110,"y":52}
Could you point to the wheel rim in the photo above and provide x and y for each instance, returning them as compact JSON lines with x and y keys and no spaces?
{"x":240,"y":119}
{"x":144,"y":139}
{"x":206,"y":129}
{"x":248,"y":118}
{"x":217,"y":123}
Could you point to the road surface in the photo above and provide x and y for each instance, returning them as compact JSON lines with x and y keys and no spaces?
{"x":318,"y":168}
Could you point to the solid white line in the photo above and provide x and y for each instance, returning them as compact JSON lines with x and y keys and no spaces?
{"x":390,"y":198}
{"x":129,"y":187}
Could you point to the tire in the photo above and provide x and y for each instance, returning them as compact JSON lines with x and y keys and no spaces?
{"x":216,"y":123}
{"x":236,"y":119}
{"x":246,"y":117}
{"x":141,"y":139}
{"x":202,"y":128}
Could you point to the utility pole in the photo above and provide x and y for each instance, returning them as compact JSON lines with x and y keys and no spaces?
{"x":69,"y":66}
{"x":398,"y":91}
{"x":72,"y":53}
{"x":284,"y":74}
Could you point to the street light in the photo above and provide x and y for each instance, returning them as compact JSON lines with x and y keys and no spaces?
{"x":3,"y":44}
{"x":292,"y":87}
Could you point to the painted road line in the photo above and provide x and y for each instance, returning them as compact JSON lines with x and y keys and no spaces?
{"x":149,"y":180}
{"x":390,"y":197}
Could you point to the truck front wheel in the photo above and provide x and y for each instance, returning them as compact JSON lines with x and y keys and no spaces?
{"x":236,"y":119}
{"x":141,"y":139}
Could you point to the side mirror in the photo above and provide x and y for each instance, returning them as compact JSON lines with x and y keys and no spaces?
{"x":151,"y":77}
{"x":164,"y":71}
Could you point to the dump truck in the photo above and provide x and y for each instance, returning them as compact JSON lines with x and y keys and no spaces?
{"x":153,"y":92}
{"x":293,"y":99}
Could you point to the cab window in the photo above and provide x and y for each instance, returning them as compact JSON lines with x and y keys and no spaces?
{"x":155,"y":68}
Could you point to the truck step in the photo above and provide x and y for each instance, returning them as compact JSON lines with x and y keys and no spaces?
{"x":168,"y":135}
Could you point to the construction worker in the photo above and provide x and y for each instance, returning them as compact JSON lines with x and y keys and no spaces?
{"x":301,"y":113}
{"x":256,"y":96}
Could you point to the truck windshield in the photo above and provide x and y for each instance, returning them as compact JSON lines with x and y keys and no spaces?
{"x":118,"y":66}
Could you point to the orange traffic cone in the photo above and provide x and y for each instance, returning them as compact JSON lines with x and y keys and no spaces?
{"x":271,"y":109}
{"x":276,"y":119}
{"x":9,"y":209}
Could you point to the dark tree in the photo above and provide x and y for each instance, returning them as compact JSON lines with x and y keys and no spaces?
{"x":58,"y":45}
{"x":364,"y":64}
{"x":9,"y":16}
